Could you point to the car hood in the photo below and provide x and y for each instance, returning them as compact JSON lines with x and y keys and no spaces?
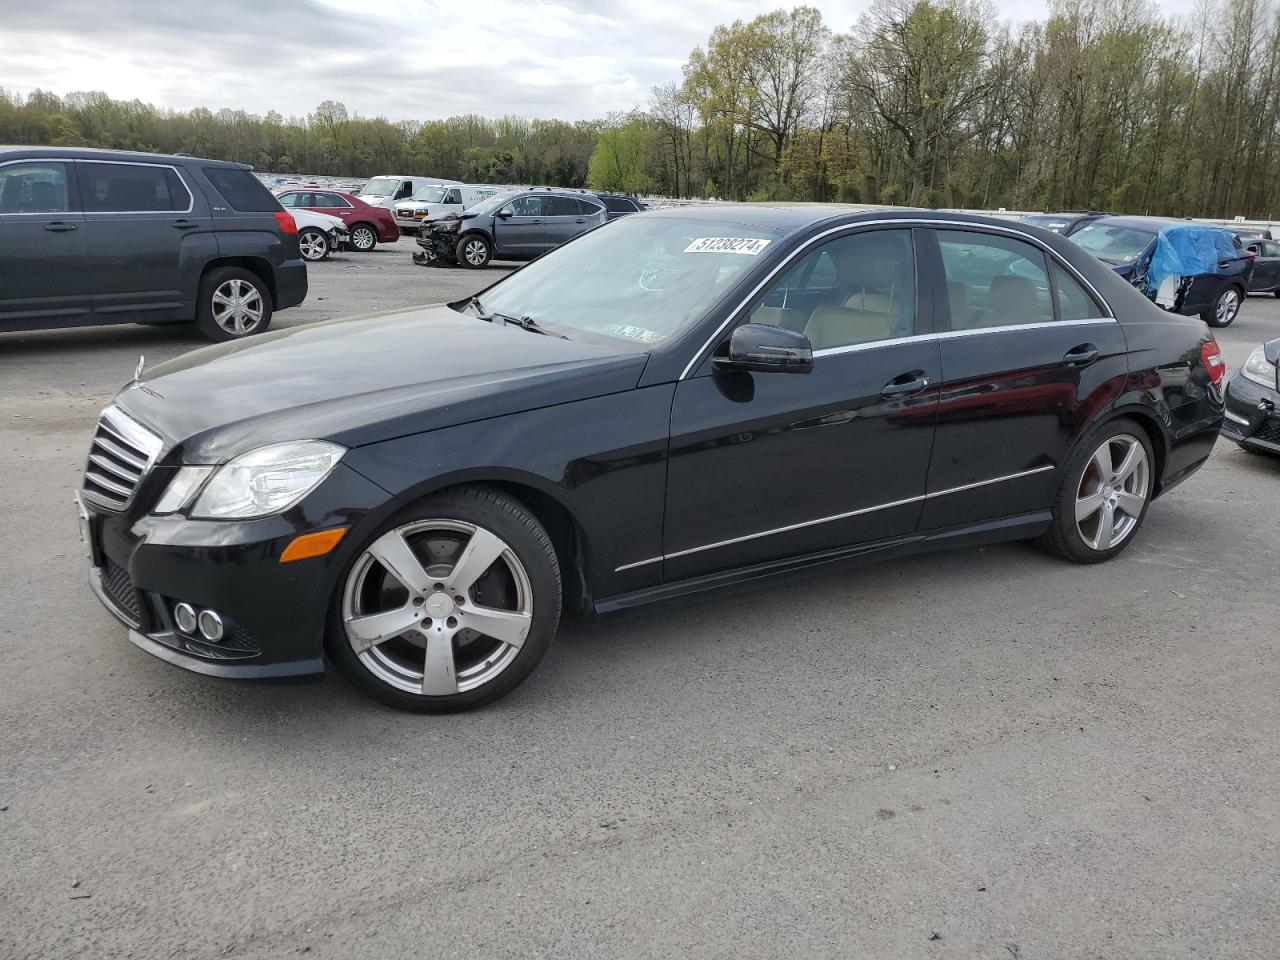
{"x":365,"y":380}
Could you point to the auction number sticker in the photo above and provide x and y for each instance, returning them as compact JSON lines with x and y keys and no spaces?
{"x":749,"y":246}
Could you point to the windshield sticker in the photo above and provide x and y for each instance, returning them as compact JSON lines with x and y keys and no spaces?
{"x":635,"y":333}
{"x":749,"y":246}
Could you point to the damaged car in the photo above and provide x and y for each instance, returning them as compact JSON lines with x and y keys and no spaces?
{"x":520,"y":225}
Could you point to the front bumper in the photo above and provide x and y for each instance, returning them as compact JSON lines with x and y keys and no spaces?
{"x":437,"y":245}
{"x":1252,"y":415}
{"x":274,"y":614}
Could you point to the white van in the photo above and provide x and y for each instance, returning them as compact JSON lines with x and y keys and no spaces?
{"x":386,"y":191}
{"x":436,"y":202}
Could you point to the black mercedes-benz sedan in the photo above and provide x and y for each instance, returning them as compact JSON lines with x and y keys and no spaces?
{"x":678,"y":400}
{"x":1252,"y":415}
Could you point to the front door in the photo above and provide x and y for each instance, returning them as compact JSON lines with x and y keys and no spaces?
{"x":147,"y":234}
{"x":1028,"y":357}
{"x":520,"y":236}
{"x":769,"y":465}
{"x":43,"y":276}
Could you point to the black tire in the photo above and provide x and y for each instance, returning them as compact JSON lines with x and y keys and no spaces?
{"x":473,"y":251}
{"x":1227,"y":303}
{"x":363,"y":237}
{"x":1063,"y":538}
{"x":211,"y":314}
{"x":314,"y":244}
{"x":1275,"y":293}
{"x":490,"y":511}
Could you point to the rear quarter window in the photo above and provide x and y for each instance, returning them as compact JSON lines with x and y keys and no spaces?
{"x":242,"y":190}
{"x":619,"y":205}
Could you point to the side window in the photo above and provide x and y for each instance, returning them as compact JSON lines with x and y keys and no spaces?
{"x":994,"y":281}
{"x":453,"y":196}
{"x":36,"y":186}
{"x":855,"y":289}
{"x":327,"y":200}
{"x":405,"y":190}
{"x":1255,"y":248}
{"x":588,"y":209}
{"x":619,"y":205}
{"x":242,"y":190}
{"x":290,"y":199}
{"x":527,"y":206}
{"x":1074,"y":303}
{"x":560,"y":206}
{"x":1271,"y":249}
{"x":132,"y":188}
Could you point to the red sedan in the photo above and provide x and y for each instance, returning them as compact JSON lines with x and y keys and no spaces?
{"x":368,"y":224}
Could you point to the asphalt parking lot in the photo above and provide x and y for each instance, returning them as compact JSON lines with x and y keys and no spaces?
{"x":987,"y":753}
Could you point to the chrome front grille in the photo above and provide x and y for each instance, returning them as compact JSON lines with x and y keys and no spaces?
{"x":123,"y":451}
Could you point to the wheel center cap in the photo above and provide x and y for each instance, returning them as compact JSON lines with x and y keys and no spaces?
{"x":439,"y":605}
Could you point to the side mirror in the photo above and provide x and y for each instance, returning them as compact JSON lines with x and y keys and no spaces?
{"x":503,"y":214}
{"x":766,"y":349}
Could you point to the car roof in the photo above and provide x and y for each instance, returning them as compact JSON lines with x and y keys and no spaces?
{"x":98,"y":153}
{"x":789,"y":218}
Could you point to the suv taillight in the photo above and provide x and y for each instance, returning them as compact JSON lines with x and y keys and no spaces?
{"x":1211,"y":357}
{"x":288,"y":225}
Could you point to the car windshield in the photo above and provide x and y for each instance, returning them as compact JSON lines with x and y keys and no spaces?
{"x":639,"y":280}
{"x":1112,"y":243}
{"x":379,"y":187}
{"x":429,"y":194}
{"x":489,"y":204}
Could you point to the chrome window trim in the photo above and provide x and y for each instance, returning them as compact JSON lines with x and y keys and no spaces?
{"x":907,"y":222}
{"x":839,"y":516}
{"x":955,"y":334}
{"x":191,"y":200}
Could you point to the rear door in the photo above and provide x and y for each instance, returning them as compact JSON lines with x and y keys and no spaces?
{"x":148,"y":234}
{"x":1029,"y":356}
{"x":1266,"y":266}
{"x":564,"y":221}
{"x":43,"y":277}
{"x":334,"y":206}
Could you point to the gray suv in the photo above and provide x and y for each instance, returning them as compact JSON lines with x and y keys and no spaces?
{"x":90,"y":237}
{"x":518,"y":225}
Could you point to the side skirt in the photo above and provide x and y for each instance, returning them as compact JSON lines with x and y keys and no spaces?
{"x":1022,"y":527}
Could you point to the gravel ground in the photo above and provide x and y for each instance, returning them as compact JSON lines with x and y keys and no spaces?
{"x":984,"y":753}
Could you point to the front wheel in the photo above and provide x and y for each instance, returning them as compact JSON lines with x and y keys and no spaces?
{"x":313,"y":244}
{"x":1224,"y":309}
{"x":451,"y":605}
{"x":363,"y":237}
{"x":1102,"y":500}
{"x":474,"y":251}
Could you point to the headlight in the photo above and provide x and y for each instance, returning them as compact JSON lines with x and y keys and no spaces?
{"x":267,"y":480}
{"x":181,"y":488}
{"x":1259,"y":369}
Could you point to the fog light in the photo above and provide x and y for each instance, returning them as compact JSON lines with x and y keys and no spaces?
{"x":185,"y":617}
{"x":210,"y":625}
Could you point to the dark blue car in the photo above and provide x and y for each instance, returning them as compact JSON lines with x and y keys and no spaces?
{"x":1188,"y":268}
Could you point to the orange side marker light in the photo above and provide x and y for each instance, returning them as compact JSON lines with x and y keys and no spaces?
{"x":312,"y":545}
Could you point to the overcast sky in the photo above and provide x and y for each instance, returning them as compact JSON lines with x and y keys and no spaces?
{"x":404,"y":59}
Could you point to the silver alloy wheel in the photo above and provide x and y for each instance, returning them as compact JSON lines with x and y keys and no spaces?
{"x":1113,"y":492}
{"x":429,"y":626}
{"x":237,"y":306}
{"x":475,"y":252}
{"x":313,"y":245}
{"x":1228,"y":306}
{"x":362,"y":238}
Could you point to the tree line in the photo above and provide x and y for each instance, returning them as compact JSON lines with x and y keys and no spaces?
{"x":1101,"y":105}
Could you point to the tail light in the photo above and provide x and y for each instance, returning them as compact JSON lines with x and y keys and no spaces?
{"x":288,"y":225}
{"x":1211,"y":357}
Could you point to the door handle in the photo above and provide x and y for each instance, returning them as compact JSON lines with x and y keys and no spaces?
{"x":183,"y":224}
{"x":60,"y":226}
{"x":580,"y":220}
{"x":1081,"y":356}
{"x":907,"y":385}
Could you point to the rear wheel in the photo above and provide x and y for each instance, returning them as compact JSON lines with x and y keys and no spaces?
{"x":451,"y":605}
{"x":1102,"y":500}
{"x":474,"y":251}
{"x":234,"y":303}
{"x":313,"y":244}
{"x":363,"y":237}
{"x":1224,"y":309}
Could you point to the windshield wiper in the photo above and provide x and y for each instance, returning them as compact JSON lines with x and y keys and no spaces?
{"x":474,"y":304}
{"x":528,"y":323}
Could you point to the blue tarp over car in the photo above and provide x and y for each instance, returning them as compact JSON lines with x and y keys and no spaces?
{"x":1186,"y":250}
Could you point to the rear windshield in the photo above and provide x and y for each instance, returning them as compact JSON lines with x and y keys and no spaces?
{"x":1113,"y":244}
{"x":618,"y":204}
{"x":429,"y":194}
{"x":242,"y":190}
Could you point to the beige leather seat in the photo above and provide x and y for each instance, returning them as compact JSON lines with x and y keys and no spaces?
{"x":1010,"y":300}
{"x":778,"y":317}
{"x":840,"y":326}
